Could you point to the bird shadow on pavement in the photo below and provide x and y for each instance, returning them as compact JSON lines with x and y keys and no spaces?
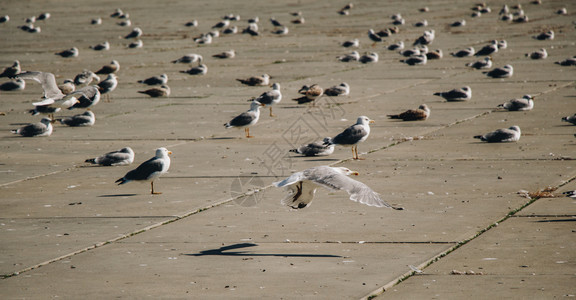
{"x":224,"y":251}
{"x":117,"y":195}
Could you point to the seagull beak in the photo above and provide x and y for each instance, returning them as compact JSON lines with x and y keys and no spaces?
{"x":355,"y":173}
{"x":169,"y":152}
{"x":372,"y":122}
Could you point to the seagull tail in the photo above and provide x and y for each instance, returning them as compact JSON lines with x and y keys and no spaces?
{"x":33,"y":112}
{"x":15,"y":131}
{"x":479,"y":137}
{"x":293,"y":150}
{"x":122,"y":180}
{"x":91,"y":160}
{"x":394,"y":116}
{"x":438,"y":94}
{"x":565,"y":119}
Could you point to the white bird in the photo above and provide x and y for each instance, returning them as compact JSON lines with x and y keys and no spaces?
{"x":504,"y":72}
{"x":342,"y":89}
{"x":351,"y":43}
{"x":301,"y":187}
{"x":522,"y":104}
{"x":135,"y":33}
{"x":353,"y":56}
{"x":108,"y":85}
{"x":458,"y":94}
{"x":246,"y":119}
{"x":511,"y":134}
{"x":488,"y":49}
{"x":42,"y":128}
{"x":201,"y":69}
{"x":136,"y":44}
{"x":85,"y":78}
{"x":420,"y":59}
{"x":52,"y":94}
{"x":155,"y":80}
{"x":87,"y":96}
{"x":371,"y":57}
{"x":226,"y":54}
{"x":14,"y":85}
{"x":353,"y":135}
{"x":101,"y":46}
{"x":189,"y":58}
{"x":315,"y":149}
{"x":548,"y":35}
{"x":124,"y":156}
{"x":150,"y":169}
{"x":72,"y":52}
{"x":539,"y":54}
{"x":85,"y":119}
{"x":271,"y":97}
{"x":464,"y":52}
{"x":485,"y":63}
{"x":396,"y":46}
{"x":12,"y":71}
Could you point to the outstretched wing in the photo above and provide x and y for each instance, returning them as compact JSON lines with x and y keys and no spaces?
{"x":300,"y":194}
{"x":48,"y":82}
{"x":358,"y":191}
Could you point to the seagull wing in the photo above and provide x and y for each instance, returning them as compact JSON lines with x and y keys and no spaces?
{"x":48,"y":82}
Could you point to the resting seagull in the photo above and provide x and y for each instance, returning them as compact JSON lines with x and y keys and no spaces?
{"x":86,"y":119}
{"x":504,"y":72}
{"x":150,"y":169}
{"x":256,"y":81}
{"x":315,"y":149}
{"x":525,"y":103}
{"x":42,"y":128}
{"x":353,"y":135}
{"x":459,"y":94}
{"x":124,"y":156}
{"x":420,"y":114}
{"x":511,"y":134}
{"x":246,"y":119}
{"x":301,"y":187}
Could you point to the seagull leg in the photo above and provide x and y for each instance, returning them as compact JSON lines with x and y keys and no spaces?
{"x":247,"y":130}
{"x":353,"y":154}
{"x":357,"y":157}
{"x":152,"y":192}
{"x":271,"y":114}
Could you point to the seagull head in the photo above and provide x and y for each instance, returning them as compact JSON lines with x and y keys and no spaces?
{"x":162,"y":152}
{"x":364,"y":120}
{"x":346,"y":171}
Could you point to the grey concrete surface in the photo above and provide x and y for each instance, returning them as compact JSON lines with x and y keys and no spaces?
{"x":219,"y":230}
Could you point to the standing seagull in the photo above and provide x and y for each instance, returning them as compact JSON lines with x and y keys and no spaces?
{"x":525,"y":103}
{"x":85,"y":78}
{"x":124,"y":156}
{"x":459,"y":94}
{"x":256,"y":81}
{"x":87,"y":96}
{"x":316,"y":148}
{"x":246,"y":119}
{"x":301,"y":187}
{"x":150,"y":169}
{"x":271,"y":97}
{"x":504,"y":72}
{"x":511,"y":134}
{"x":420,"y":114}
{"x":43,"y":128}
{"x":353,"y":135}
{"x":374,"y":37}
{"x":108,"y":85}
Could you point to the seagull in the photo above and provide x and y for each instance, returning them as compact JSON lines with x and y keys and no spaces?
{"x":193,"y":23}
{"x":275,"y":22}
{"x":108,"y":85}
{"x":374,"y":37}
{"x":85,"y":78}
{"x":162,"y":91}
{"x":271,"y":97}
{"x":226,"y":54}
{"x":353,"y":56}
{"x":504,"y":72}
{"x":14,"y":85}
{"x":301,"y":187}
{"x":548,"y":35}
{"x":43,"y":17}
{"x":188,"y":58}
{"x":135,"y":33}
{"x":353,"y":135}
{"x":485,"y":63}
{"x":4,"y":19}
{"x":281,"y":31}
{"x":12,"y":70}
{"x":570,"y":119}
{"x":256,"y":81}
{"x":150,"y":169}
{"x":346,"y":9}
{"x":571,"y":194}
{"x":464,"y":53}
{"x":571,"y":61}
{"x":299,"y":20}
{"x":525,"y":103}
{"x":117,"y":13}
{"x":52,"y":94}
{"x":511,"y":134}
{"x":562,"y":11}
{"x":45,"y":110}
{"x":396,"y":46}
{"x":67,"y":86}
{"x":124,"y":156}
{"x":311,"y":93}
{"x":96,"y":21}
{"x":458,"y":94}
{"x":113,"y":67}
{"x":351,"y":43}
{"x":101,"y":46}
{"x":459,"y":23}
{"x":420,"y":114}
{"x":414,"y":51}
{"x":413,"y":60}
{"x":540,"y":54}
{"x":371,"y":57}
{"x":87,"y":96}
{"x":230,"y":30}
{"x":426,"y":38}
{"x":155,"y":80}
{"x":72,"y":52}
{"x":488,"y":49}
{"x":201,"y":69}
{"x":43,"y":128}
{"x":86,"y":119}
{"x":422,"y":23}
{"x":315,"y":149}
{"x":502,"y":44}
{"x":204,"y":39}
{"x":125,"y":23}
{"x":436,"y":54}
{"x":222,"y":24}
{"x":246,"y":119}
{"x":342,"y":89}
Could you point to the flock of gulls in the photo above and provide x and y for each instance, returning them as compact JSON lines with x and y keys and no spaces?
{"x":86,"y":89}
